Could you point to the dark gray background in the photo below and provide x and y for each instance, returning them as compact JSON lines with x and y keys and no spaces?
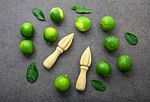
{"x":131,"y":15}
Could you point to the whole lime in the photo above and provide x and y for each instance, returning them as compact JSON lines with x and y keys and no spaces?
{"x":57,"y":15}
{"x":111,"y":43}
{"x":82,"y":23}
{"x":124,"y":63}
{"x":107,"y":23}
{"x":103,"y":68}
{"x":27,"y":30}
{"x":27,"y":47}
{"x":50,"y":34}
{"x":62,"y":83}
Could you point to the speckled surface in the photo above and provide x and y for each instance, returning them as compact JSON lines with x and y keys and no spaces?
{"x":131,"y":15}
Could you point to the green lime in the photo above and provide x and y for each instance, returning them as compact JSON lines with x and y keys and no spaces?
{"x":124,"y":63}
{"x":57,"y":15}
{"x":50,"y":34}
{"x":107,"y":23}
{"x":82,"y":23}
{"x":103,"y":68}
{"x":27,"y":47}
{"x":27,"y":30}
{"x":111,"y":43}
{"x":62,"y":83}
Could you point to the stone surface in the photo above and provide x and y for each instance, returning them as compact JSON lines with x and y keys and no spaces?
{"x":131,"y":15}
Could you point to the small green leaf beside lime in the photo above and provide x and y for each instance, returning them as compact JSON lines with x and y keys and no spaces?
{"x":32,"y":73}
{"x":98,"y":85}
{"x":38,"y":14}
{"x":131,"y":38}
{"x":81,"y":9}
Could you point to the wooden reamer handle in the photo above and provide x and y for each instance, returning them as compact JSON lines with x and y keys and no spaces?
{"x":51,"y":59}
{"x":81,"y":81}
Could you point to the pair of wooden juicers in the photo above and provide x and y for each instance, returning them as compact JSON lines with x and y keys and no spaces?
{"x":85,"y":60}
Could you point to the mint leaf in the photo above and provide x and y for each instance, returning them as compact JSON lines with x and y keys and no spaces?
{"x":81,"y":9}
{"x":32,"y":73}
{"x":131,"y":38}
{"x":38,"y":14}
{"x":98,"y":85}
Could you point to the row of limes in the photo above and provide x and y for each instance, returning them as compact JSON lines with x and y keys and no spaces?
{"x":82,"y":24}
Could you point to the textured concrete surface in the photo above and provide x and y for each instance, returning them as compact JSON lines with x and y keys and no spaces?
{"x":131,"y":15}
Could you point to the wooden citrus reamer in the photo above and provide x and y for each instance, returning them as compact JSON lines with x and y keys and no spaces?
{"x":63,"y":45}
{"x":85,"y":63}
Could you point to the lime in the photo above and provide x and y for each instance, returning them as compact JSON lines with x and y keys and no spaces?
{"x":26,"y":47}
{"x":82,"y":23}
{"x":50,"y":34}
{"x":124,"y":63}
{"x":103,"y":68}
{"x":62,"y":83}
{"x":111,"y":43}
{"x":107,"y":23}
{"x":27,"y":30}
{"x":57,"y":15}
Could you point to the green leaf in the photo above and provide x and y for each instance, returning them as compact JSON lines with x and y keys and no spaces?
{"x":32,"y":73}
{"x":38,"y":14}
{"x":131,"y":38}
{"x":98,"y":85}
{"x":81,"y":9}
